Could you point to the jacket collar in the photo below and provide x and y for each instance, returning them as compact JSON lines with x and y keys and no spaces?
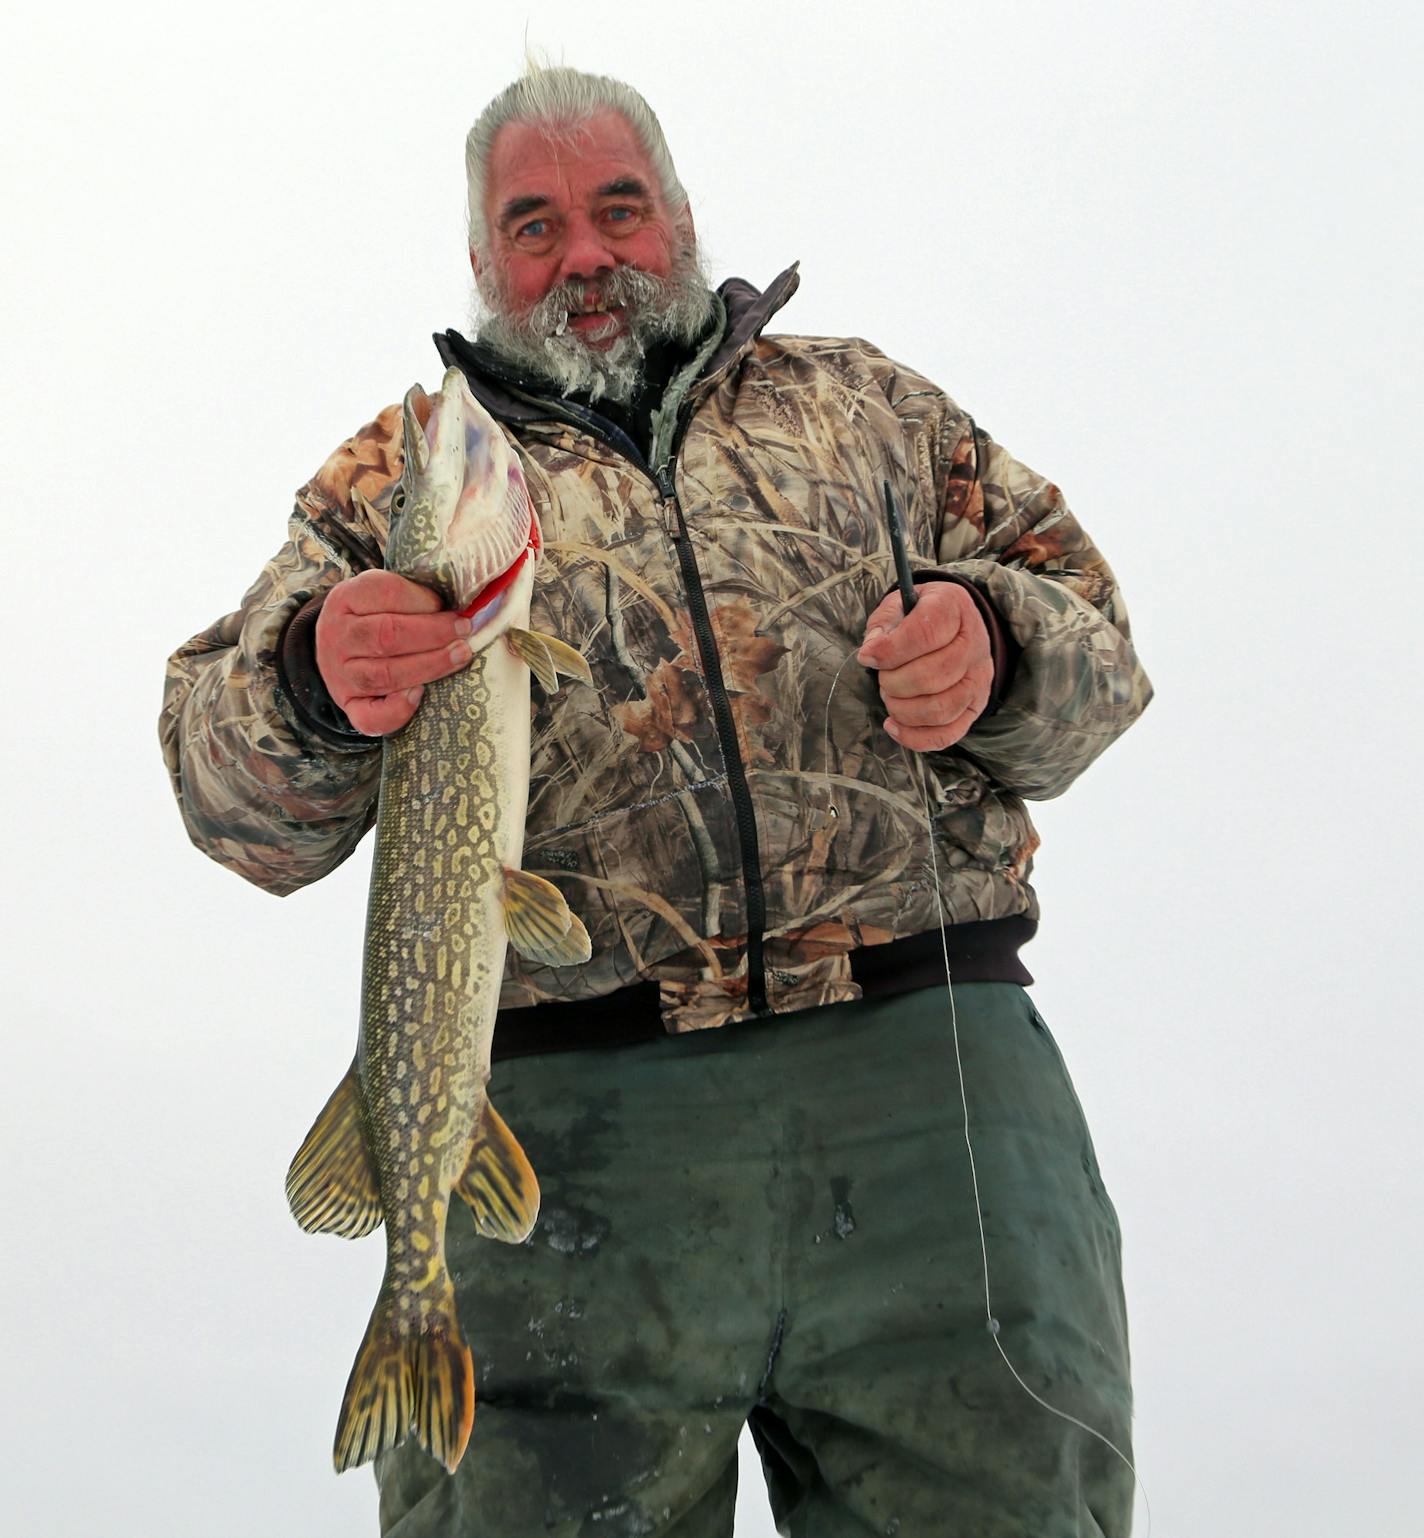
{"x":748,"y":312}
{"x":511,"y":396}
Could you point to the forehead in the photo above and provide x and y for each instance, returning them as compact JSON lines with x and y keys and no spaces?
{"x":527,"y":158}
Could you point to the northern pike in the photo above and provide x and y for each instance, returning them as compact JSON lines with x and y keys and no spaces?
{"x":410,"y":1123}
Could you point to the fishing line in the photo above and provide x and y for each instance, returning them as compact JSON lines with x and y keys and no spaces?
{"x":990,"y":1319}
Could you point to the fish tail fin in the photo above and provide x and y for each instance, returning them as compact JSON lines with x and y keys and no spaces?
{"x":379,"y":1402}
{"x":404,"y":1378}
{"x":444,"y":1375}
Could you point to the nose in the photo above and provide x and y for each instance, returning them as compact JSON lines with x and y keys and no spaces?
{"x":586,"y":253}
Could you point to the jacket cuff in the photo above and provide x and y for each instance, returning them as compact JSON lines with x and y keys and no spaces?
{"x":1003,"y":649}
{"x":301,"y":681}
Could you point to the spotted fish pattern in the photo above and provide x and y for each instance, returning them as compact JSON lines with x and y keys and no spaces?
{"x":410,"y":1125}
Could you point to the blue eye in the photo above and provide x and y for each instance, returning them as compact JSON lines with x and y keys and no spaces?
{"x":622,"y":215}
{"x":535,"y":227}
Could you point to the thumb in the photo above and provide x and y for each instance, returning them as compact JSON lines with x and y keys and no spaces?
{"x":884,"y":618}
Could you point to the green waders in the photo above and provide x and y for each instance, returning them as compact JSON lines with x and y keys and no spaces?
{"x":774,"y":1221}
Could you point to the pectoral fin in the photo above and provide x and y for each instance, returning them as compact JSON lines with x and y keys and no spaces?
{"x":331,"y":1186}
{"x":547,"y":657}
{"x":540,"y":924}
{"x":498,"y":1182}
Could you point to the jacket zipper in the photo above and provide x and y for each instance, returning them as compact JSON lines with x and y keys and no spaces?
{"x":731,"y":752}
{"x":600,"y":428}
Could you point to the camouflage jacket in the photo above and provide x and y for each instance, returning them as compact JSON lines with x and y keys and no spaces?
{"x":723,"y":809}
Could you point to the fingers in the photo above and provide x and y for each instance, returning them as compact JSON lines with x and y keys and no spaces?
{"x":938,"y":715}
{"x":930,"y":722}
{"x":398,"y":635}
{"x":381,"y":592}
{"x":933,"y":672}
{"x":370,"y":677}
{"x":932,"y":739}
{"x":935,"y":664}
{"x":379,"y":638}
{"x":885,"y":615}
{"x":933,"y":721}
{"x":937,"y":618}
{"x":934,"y":710}
{"x":384,"y":715}
{"x":943,"y":715}
{"x":356,"y":681}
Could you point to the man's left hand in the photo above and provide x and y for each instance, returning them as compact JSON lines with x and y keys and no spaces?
{"x":935,"y":664}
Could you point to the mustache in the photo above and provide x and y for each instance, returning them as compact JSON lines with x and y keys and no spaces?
{"x":539,"y":338}
{"x":628,"y":288}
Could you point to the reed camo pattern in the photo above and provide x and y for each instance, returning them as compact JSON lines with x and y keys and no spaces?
{"x":778,"y":477}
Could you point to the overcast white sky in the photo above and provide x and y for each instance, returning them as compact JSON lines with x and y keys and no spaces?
{"x":1168,"y":255}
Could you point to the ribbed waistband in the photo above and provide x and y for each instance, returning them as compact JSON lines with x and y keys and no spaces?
{"x":982,"y":952}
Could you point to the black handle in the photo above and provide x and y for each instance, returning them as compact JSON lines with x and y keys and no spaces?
{"x":908,"y":595}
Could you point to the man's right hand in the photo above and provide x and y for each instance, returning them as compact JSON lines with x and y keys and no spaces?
{"x":379,"y":639}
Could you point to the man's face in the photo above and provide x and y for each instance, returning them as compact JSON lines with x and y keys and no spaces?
{"x":585,"y":265}
{"x":571,"y":211}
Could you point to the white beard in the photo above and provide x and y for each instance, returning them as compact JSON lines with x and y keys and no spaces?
{"x":677,"y":307}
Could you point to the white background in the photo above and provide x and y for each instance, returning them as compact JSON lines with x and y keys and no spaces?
{"x":1168,"y":255}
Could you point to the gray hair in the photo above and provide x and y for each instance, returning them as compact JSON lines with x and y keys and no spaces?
{"x":562,"y":98}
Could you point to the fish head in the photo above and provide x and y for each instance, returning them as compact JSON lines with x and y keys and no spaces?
{"x":461,"y":519}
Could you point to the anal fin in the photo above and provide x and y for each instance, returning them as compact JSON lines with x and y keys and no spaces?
{"x":499,"y":1184}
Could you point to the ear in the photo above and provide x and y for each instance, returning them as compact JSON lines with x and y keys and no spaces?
{"x":483,"y":268}
{"x":684,"y":226}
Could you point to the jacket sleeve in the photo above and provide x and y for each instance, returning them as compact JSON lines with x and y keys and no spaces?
{"x":265,"y":786}
{"x":1076,"y":683}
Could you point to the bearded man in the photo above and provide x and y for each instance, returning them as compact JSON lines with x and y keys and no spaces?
{"x":744,"y":1110}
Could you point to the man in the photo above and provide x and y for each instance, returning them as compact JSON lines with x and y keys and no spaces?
{"x":745,"y":1109}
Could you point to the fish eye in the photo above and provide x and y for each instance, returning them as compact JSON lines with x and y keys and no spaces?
{"x":398,"y":499}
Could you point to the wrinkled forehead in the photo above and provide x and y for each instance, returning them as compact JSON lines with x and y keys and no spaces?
{"x":565,"y":161}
